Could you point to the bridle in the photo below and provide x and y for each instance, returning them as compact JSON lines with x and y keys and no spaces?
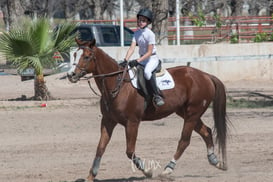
{"x":114,"y":92}
{"x":87,"y":59}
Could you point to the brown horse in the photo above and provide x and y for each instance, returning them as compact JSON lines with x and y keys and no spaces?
{"x":122,"y":104}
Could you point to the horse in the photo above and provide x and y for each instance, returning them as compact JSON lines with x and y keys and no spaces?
{"x":121,"y":103}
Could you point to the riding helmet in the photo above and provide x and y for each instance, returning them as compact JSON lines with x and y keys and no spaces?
{"x":147,"y":13}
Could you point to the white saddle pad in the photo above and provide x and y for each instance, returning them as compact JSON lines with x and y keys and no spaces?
{"x":164,"y":81}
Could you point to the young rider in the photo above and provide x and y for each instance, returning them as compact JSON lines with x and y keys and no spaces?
{"x":145,"y":39}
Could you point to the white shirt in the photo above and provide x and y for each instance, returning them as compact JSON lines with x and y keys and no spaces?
{"x":144,"y":38}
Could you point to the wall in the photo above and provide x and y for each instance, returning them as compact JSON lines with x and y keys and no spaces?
{"x":229,"y":62}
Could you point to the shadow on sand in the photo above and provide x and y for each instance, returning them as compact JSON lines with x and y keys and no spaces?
{"x":131,"y":179}
{"x":134,"y":179}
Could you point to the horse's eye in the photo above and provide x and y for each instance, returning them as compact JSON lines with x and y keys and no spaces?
{"x":86,"y":58}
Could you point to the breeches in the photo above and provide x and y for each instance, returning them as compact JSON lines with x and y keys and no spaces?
{"x":150,"y":67}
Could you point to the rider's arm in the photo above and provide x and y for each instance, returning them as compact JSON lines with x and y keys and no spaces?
{"x":130,"y":50}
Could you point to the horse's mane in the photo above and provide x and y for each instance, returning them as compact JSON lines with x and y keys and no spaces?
{"x":92,"y":44}
{"x":104,"y":54}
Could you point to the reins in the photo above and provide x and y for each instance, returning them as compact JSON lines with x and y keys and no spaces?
{"x":115,"y":92}
{"x":105,"y":75}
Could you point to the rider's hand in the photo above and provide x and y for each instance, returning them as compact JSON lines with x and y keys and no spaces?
{"x":123,"y":63}
{"x":133,"y":63}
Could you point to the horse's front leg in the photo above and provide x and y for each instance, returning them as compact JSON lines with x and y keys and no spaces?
{"x":131,"y":136}
{"x":107,"y":127}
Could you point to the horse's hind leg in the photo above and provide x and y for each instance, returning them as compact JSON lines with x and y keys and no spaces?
{"x":107,"y":128}
{"x":206,"y":134}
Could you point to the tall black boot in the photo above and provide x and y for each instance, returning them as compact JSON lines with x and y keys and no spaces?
{"x":158,"y":100}
{"x":141,"y":82}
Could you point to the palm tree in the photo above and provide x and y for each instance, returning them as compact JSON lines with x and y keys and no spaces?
{"x":32,"y":45}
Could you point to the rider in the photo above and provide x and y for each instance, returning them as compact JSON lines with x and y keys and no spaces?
{"x":145,"y":39}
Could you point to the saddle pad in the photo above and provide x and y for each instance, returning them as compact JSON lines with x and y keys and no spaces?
{"x":164,"y":81}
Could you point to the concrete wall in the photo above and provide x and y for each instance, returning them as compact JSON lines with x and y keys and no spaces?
{"x":229,"y":62}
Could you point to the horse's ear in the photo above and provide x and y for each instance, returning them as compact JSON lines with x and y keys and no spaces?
{"x":89,"y":43}
{"x":78,"y":41}
{"x":93,"y":42}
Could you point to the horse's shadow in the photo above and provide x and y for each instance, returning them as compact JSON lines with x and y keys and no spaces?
{"x":131,"y":179}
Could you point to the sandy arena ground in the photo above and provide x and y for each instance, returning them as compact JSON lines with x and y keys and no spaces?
{"x":58,"y":142}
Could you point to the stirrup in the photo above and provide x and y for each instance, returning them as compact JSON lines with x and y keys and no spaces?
{"x":158,"y":100}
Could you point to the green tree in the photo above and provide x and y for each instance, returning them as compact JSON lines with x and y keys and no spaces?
{"x":32,"y":44}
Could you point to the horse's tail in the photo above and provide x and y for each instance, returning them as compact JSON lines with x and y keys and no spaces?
{"x":219,"y":115}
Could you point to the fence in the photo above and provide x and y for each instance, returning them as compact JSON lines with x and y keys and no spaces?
{"x":228,"y":29}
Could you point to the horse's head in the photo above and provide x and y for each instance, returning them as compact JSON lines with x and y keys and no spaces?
{"x":84,"y":59}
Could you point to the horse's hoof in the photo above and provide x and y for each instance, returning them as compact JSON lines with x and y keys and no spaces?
{"x":90,"y":178}
{"x":168,"y":171}
{"x":221,"y":165}
{"x":148,"y":173}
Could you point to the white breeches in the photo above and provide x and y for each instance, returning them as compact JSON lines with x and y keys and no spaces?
{"x":150,"y":66}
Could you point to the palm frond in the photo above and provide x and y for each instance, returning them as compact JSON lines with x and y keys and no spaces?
{"x":35,"y":63}
{"x":40,"y":34}
{"x":64,"y":33}
{"x":33,"y":44}
{"x":23,"y":63}
{"x":16,"y":43}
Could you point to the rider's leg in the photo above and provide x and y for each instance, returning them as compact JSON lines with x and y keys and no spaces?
{"x":150,"y":77}
{"x":156,"y":94}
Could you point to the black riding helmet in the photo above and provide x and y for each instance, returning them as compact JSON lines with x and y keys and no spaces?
{"x":147,"y":13}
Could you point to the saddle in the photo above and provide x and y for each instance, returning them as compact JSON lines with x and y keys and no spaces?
{"x":163,"y":78}
{"x":142,"y":85}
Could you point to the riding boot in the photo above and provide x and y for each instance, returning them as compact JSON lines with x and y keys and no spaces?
{"x":158,"y":100}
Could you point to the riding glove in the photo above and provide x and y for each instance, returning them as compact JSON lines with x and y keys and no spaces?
{"x":133,"y":63}
{"x":123,"y":63}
